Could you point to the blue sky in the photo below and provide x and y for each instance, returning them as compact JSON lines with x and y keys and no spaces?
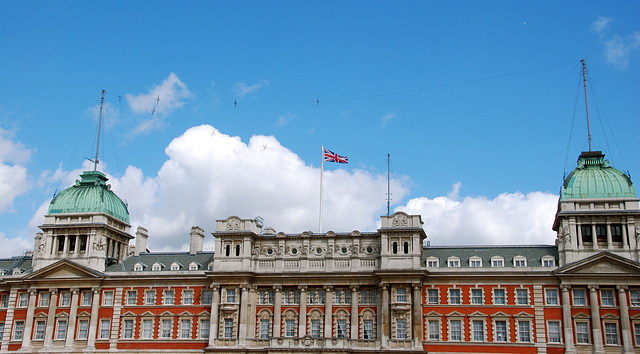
{"x":474,"y":101}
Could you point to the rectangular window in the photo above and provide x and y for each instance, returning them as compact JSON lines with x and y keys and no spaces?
{"x":166,"y":329}
{"x":433,"y":297}
{"x":290,"y":328}
{"x":607,"y":297}
{"x":107,"y":299}
{"x":44,"y":299}
{"x":40,"y":326}
{"x":433,"y":327}
{"x":368,"y":296}
{"x":4,"y":301}
{"x":204,"y":328}
{"x":150,"y":297}
{"x":105,"y":328}
{"x":231,"y":295}
{"x":401,"y":294}
{"x":342,"y":328}
{"x":455,"y":297}
{"x":454,"y":263}
{"x":185,"y":329}
{"x":65,"y":299}
{"x":264,"y":329}
{"x":611,"y":333}
{"x":636,"y":332}
{"x":187,"y":297}
{"x":519,"y":262}
{"x":585,"y":231}
{"x":401,"y":328}
{"x":548,"y":262}
{"x":132,"y":298}
{"x":86,"y":298}
{"x":83,"y":329}
{"x":501,"y":331}
{"x":455,"y":330}
{"x":634,"y":295}
{"x":61,"y":330}
{"x":205,"y":297}
{"x":315,"y":328}
{"x":228,"y":327}
{"x":367,"y":332}
{"x":499,"y":296}
{"x":266,"y":299}
{"x":616,"y":233}
{"x":522,"y":296}
{"x":147,"y":329}
{"x":290,"y":296}
{"x":554,"y":332}
{"x":498,"y":263}
{"x":432,"y":263}
{"x":168,"y":297}
{"x":478,"y":330}
{"x":128,"y":329}
{"x":18,"y":330}
{"x":551,"y":296}
{"x":601,"y":234}
{"x":475,"y":263}
{"x":579,"y":297}
{"x":23,"y":300}
{"x":582,"y":332}
{"x":476,"y":296}
{"x":524,"y":331}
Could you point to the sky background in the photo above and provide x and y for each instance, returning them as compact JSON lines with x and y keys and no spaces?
{"x":478,"y":103}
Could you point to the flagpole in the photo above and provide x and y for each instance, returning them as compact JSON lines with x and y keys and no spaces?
{"x":321,"y":177}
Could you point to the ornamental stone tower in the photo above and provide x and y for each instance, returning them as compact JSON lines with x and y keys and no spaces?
{"x":86,"y":223}
{"x":597,"y":211}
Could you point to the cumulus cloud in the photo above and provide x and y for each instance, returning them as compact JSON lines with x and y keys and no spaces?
{"x":159,"y":102}
{"x":510,"y":218}
{"x":210,"y":175}
{"x":242,"y":88}
{"x":618,"y":49}
{"x":14,"y":179}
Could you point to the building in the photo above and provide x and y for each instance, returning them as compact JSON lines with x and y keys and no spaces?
{"x":85,"y":289}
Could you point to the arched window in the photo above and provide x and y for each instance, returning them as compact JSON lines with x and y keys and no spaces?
{"x":228,"y":250}
{"x":237,"y":250}
{"x":395,"y":248}
{"x":406,"y":248}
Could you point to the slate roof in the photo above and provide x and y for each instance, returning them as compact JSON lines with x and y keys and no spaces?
{"x":533,"y":254}
{"x":164,"y":258}
{"x":22,"y":262}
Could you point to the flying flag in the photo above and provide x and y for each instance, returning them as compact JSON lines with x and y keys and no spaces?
{"x":331,"y":156}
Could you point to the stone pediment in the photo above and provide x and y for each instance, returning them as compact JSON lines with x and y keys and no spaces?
{"x":64,"y":269}
{"x":601,"y":264}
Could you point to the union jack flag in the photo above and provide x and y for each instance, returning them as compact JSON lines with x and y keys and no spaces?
{"x":331,"y":156}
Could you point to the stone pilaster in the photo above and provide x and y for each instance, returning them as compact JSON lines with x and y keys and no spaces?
{"x":627,"y":341}
{"x":596,"y":327}
{"x":567,"y":320}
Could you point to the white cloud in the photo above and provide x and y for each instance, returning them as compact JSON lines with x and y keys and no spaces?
{"x":159,"y":102}
{"x":241,"y":88}
{"x":387,"y":117}
{"x":510,"y":218}
{"x":14,"y":246}
{"x":285,"y":119}
{"x":14,"y":179}
{"x":618,"y":50}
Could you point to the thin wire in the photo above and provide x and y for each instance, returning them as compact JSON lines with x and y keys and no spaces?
{"x":115,"y":154}
{"x":573,"y":120}
{"x":450,"y":84}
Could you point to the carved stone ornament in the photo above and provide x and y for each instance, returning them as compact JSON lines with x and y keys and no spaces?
{"x":99,"y":246}
{"x":41,"y":247}
{"x":233,"y":224}
{"x":400,"y":220}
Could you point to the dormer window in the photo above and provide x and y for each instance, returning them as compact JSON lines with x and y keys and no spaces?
{"x":156,"y":267}
{"x":548,"y":261}
{"x":433,"y":262}
{"x":519,"y":261}
{"x":138,"y":267}
{"x":453,"y":262}
{"x":497,"y":261}
{"x":193,"y":266}
{"x":175,"y":266}
{"x":475,"y":262}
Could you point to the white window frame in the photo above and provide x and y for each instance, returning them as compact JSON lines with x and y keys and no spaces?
{"x":456,"y":334}
{"x":85,"y":298}
{"x":175,"y":266}
{"x":433,"y":296}
{"x":551,"y":297}
{"x":128,"y":328}
{"x":453,"y":262}
{"x":581,"y":336}
{"x":168,"y":297}
{"x":230,"y":296}
{"x":499,"y":300}
{"x":18,"y":330}
{"x":497,"y":262}
{"x":205,"y":327}
{"x":610,"y":300}
{"x":83,"y":328}
{"x":40,"y":327}
{"x":401,"y":294}
{"x":634,"y":299}
{"x":206,"y":300}
{"x":44,"y":299}
{"x":65,"y":299}
{"x":433,"y":329}
{"x":107,"y":298}
{"x":474,"y":330}
{"x":583,"y":298}
{"x":548,"y":261}
{"x":105,"y":328}
{"x":520,"y":325}
{"x":433,"y":262}
{"x":23,"y":300}
{"x":185,"y":328}
{"x":156,"y":267}
{"x":476,"y":299}
{"x":611,"y":337}
{"x":401,"y":328}
{"x":150,"y":295}
{"x":519,"y":261}
{"x":61,"y":328}
{"x":501,"y":337}
{"x":475,"y":262}
{"x":455,"y":299}
{"x":522,"y":296}
{"x":554,"y":336}
{"x":132,"y":297}
{"x":146,"y":328}
{"x":228,"y":327}
{"x":193,"y":266}
{"x":166,"y":328}
{"x":187,"y":297}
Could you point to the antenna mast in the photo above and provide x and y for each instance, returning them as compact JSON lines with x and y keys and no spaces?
{"x":388,"y":185}
{"x":586,"y":100}
{"x":95,"y":162}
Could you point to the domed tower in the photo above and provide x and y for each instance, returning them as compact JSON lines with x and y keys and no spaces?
{"x":86,"y":223}
{"x":598,"y":211}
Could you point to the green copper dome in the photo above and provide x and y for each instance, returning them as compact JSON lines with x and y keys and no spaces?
{"x":91,"y":194}
{"x":594,"y":178}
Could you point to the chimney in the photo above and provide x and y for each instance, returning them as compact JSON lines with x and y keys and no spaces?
{"x":197,"y":240}
{"x":141,"y":240}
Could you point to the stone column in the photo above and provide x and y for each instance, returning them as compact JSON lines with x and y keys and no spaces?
{"x":328,"y":311}
{"x":277,"y":311}
{"x":93,"y":321}
{"x":214,"y":321}
{"x":242,"y":316}
{"x":609,"y":239}
{"x":72,"y":317}
{"x":302,"y":319}
{"x":567,"y":319}
{"x":251,"y":318}
{"x":627,"y":341}
{"x":417,"y":315}
{"x":354,"y":312}
{"x":51,"y":317}
{"x":28,"y":323}
{"x":596,"y":328}
{"x":594,"y":237}
{"x":383,"y":317}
